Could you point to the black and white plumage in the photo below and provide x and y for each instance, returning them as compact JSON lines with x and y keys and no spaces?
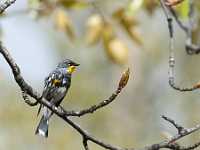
{"x":55,"y":89}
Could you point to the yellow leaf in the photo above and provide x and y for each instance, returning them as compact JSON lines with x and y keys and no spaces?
{"x":150,"y":5}
{"x":135,"y":35}
{"x":183,"y":8}
{"x":108,"y":32}
{"x":63,"y":23}
{"x":94,"y":28}
{"x":129,"y":23}
{"x":133,"y":7}
{"x":117,"y":51}
{"x":125,"y":19}
{"x":75,"y":4}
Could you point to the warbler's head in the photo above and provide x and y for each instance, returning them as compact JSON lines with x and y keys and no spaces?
{"x":69,"y":65}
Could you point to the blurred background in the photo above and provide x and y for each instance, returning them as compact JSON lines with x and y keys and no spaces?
{"x":105,"y":37}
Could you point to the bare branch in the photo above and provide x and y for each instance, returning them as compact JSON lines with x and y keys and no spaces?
{"x":27,"y":100}
{"x":85,"y":144}
{"x":190,"y":147}
{"x":59,"y":112}
{"x":169,"y":12}
{"x":176,"y":125}
{"x":170,"y":143}
{"x":122,"y":83}
{"x":93,"y":108}
{"x":5,"y":4}
{"x":190,"y":47}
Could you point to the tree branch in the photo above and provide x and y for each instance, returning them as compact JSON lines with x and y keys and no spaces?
{"x":5,"y":4}
{"x":190,"y":47}
{"x":93,"y":108}
{"x":60,"y":112}
{"x":171,"y":142}
{"x":86,"y":136}
{"x":168,"y":14}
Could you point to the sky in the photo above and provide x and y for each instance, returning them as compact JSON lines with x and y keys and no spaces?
{"x":30,"y":51}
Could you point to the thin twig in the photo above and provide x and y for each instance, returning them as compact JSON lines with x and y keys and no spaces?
{"x":169,"y":12}
{"x":93,"y":108}
{"x":85,"y":144}
{"x":190,"y":47}
{"x":5,"y":4}
{"x":180,"y":128}
{"x":171,"y":142}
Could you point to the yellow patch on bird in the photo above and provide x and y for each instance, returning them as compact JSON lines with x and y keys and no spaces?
{"x":56,"y":82}
{"x":71,"y":69}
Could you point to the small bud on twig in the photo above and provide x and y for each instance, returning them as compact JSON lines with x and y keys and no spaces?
{"x":197,"y":86}
{"x":124,"y":79}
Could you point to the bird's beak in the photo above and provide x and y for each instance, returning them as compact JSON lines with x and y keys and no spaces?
{"x":75,"y":64}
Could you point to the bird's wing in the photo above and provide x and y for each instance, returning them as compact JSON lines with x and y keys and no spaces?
{"x":51,"y":83}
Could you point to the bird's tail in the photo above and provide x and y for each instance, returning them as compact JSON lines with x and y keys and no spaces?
{"x":42,"y":128}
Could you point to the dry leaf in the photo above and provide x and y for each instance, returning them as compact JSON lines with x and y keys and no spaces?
{"x":63,"y":23}
{"x":129,"y":23}
{"x":122,"y":16}
{"x":75,"y":4}
{"x":94,"y":28}
{"x":108,"y":32}
{"x":135,"y":35}
{"x":115,"y":48}
{"x":150,"y":5}
{"x":134,"y":6}
{"x":124,"y":79}
{"x":117,"y":51}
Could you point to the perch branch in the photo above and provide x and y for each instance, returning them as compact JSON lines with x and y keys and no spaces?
{"x":86,"y":136}
{"x":59,"y":112}
{"x":93,"y":108}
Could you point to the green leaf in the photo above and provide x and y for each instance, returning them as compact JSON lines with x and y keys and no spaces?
{"x":183,"y":9}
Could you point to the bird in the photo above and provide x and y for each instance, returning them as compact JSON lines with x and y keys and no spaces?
{"x":56,"y":85}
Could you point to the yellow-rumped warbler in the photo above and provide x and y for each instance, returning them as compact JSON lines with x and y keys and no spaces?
{"x":55,"y":89}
